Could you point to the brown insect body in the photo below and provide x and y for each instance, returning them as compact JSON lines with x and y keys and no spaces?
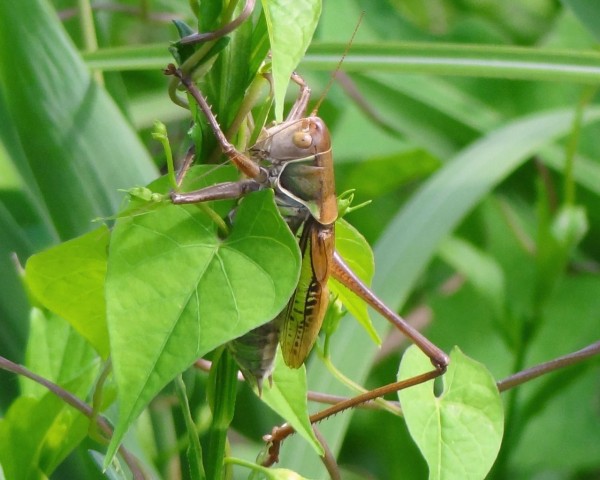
{"x":297,"y":156}
{"x":294,"y":159}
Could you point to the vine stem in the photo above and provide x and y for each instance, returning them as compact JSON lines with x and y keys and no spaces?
{"x":228,"y":28}
{"x":547,"y":367}
{"x":79,"y":405}
{"x":503,"y":385}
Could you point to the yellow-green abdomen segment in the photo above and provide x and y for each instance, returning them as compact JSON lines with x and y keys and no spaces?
{"x":301,"y":320}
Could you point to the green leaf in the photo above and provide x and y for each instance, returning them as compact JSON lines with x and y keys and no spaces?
{"x":480,"y":269}
{"x":176,"y":291}
{"x":357,"y":253}
{"x":586,"y":171}
{"x":78,"y":145}
{"x":426,"y":111}
{"x":587,"y":13}
{"x":56,"y":352}
{"x":37,"y":433}
{"x":129,"y":57}
{"x":69,"y":280}
{"x":14,"y":305}
{"x":495,"y":61}
{"x":25,"y":211}
{"x":287,"y":396}
{"x":112,"y":472}
{"x":562,"y":402}
{"x":227,"y":82}
{"x":414,"y":234}
{"x":381,"y":174}
{"x":291,"y":25}
{"x":459,"y":432}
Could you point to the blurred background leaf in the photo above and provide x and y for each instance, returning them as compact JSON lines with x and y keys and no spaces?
{"x":440,"y":97}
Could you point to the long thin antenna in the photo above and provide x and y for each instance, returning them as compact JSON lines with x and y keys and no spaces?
{"x":338,"y":66}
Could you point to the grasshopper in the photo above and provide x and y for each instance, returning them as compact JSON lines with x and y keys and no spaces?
{"x":294,"y":158}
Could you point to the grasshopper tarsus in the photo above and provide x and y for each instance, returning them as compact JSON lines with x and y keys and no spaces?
{"x":441,"y":363}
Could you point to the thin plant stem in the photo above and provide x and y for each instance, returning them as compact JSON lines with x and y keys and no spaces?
{"x":227,"y":28}
{"x":358,"y":388}
{"x":195,"y":450}
{"x":538,"y":370}
{"x":571,"y":147}
{"x":328,"y":457}
{"x":77,"y":404}
{"x":90,"y":42}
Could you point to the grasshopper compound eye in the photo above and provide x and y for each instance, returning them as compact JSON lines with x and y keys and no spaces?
{"x":302,"y":139}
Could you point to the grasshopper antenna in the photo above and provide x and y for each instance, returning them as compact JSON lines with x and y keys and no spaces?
{"x":338,"y":67}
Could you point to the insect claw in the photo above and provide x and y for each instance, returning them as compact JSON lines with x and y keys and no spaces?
{"x":273,"y":441}
{"x":441,"y":363}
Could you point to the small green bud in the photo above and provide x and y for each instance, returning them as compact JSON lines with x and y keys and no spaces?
{"x":159,"y":131}
{"x":570,"y":226}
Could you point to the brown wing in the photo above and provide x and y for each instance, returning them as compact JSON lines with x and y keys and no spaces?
{"x":301,"y":320}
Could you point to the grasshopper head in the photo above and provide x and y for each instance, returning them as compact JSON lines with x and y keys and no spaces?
{"x":293,"y":140}
{"x":299,"y":152}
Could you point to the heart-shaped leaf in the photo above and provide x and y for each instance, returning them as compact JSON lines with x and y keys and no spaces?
{"x":459,"y":433}
{"x":287,"y":396}
{"x":68,"y":279}
{"x":176,"y":290}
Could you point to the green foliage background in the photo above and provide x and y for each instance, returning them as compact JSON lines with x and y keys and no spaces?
{"x":477,"y":217}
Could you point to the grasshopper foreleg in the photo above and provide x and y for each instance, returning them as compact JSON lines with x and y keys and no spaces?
{"x":220,"y":191}
{"x":186,"y":163}
{"x":300,"y":106}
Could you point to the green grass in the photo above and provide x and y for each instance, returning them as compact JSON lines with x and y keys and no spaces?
{"x":472,"y":127}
